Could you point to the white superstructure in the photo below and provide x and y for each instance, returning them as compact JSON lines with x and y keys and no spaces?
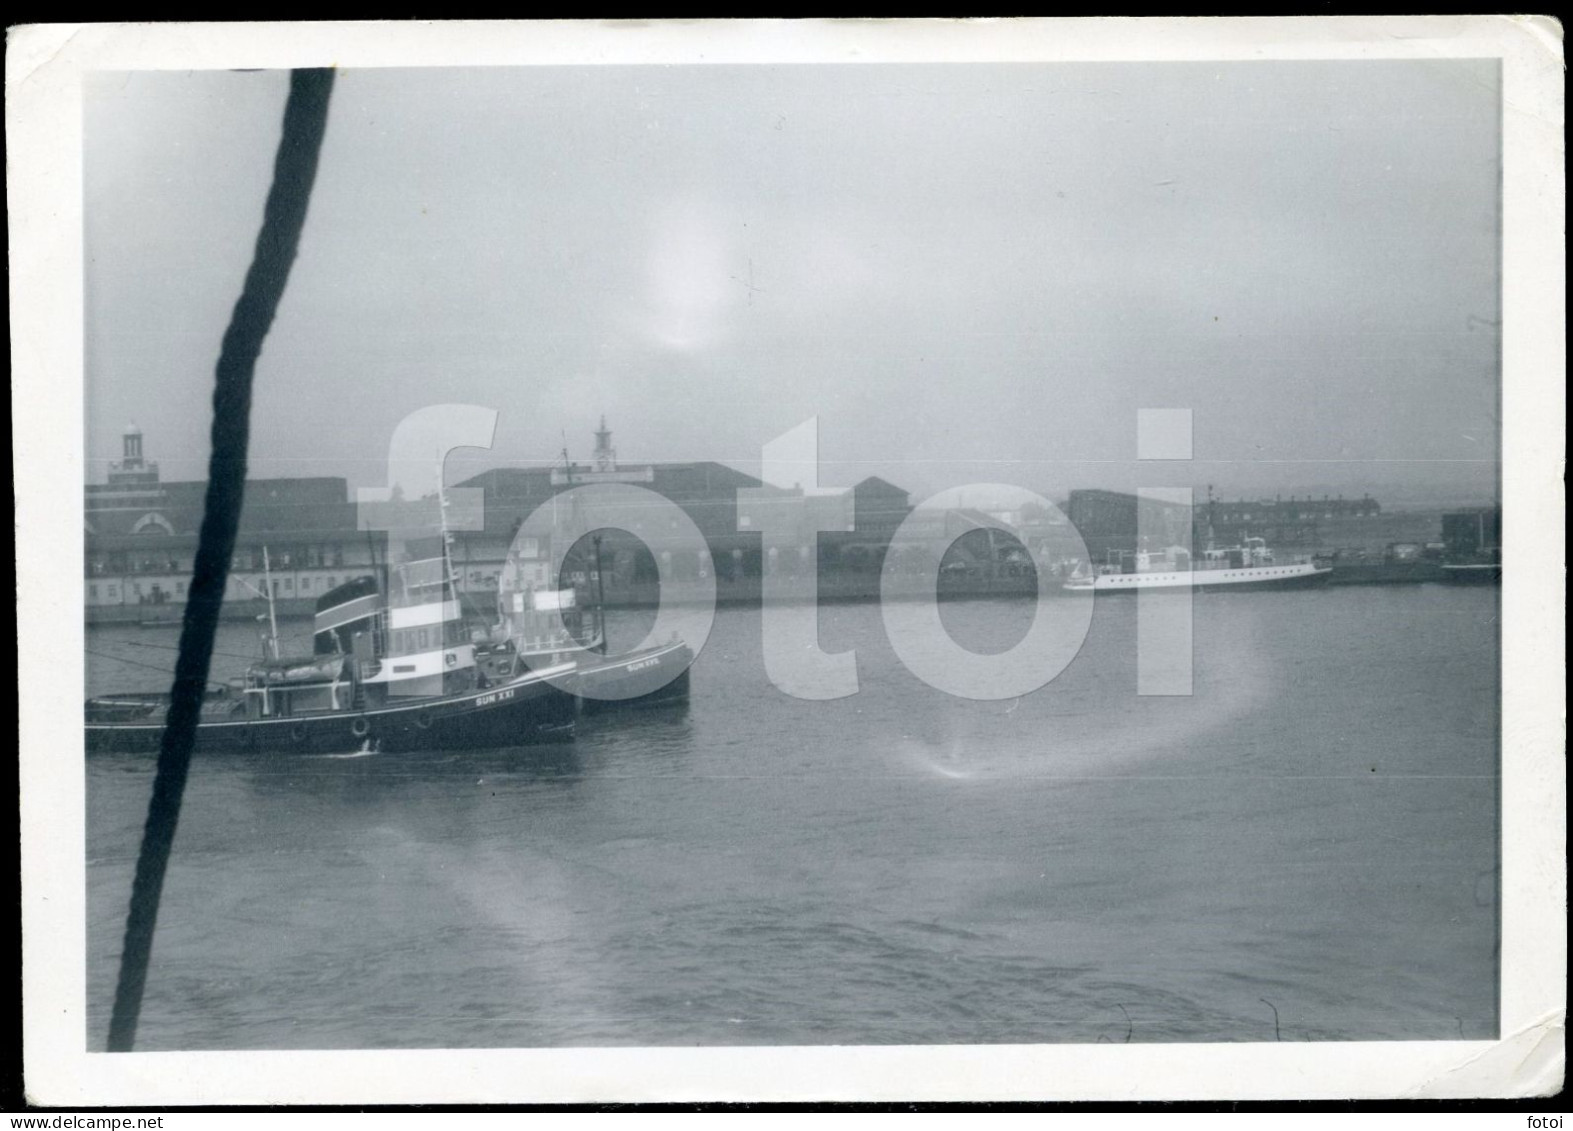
{"x":1249,"y":565}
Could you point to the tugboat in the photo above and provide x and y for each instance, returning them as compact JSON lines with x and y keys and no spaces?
{"x":545,"y":630}
{"x":389,"y":671}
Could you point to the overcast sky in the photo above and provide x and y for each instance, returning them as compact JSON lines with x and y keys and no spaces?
{"x":968,"y":273}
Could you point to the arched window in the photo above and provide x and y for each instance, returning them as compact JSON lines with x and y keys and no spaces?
{"x":152,"y":522}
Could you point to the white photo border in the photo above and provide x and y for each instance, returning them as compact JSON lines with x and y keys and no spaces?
{"x":45,"y":66}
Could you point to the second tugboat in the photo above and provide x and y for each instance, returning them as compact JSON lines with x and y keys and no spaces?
{"x":549,"y":632}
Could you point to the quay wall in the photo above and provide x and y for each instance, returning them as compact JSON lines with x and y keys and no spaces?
{"x":1372,"y":534}
{"x":638,"y":595}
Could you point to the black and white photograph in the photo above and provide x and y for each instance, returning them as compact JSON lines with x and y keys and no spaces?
{"x":605,"y":546}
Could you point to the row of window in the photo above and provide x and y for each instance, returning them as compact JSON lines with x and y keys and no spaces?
{"x":135,"y":591}
{"x":286,"y":585}
{"x":110,"y":591}
{"x":290,"y":557}
{"x":120,"y":563}
{"x":245,"y":560}
{"x":406,"y":641}
{"x":1129,"y":579}
{"x":282,"y":586}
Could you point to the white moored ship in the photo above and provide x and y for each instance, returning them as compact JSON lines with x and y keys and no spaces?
{"x":1250,"y":566}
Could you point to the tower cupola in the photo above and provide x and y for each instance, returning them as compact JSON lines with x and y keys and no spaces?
{"x":605,"y":454}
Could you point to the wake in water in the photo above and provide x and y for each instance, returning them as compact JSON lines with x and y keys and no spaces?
{"x":367,"y":749}
{"x":1066,"y":728}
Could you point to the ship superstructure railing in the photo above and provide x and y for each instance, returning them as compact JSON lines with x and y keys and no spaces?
{"x":284,"y":687}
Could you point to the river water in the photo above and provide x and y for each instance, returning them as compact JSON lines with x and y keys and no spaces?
{"x":1304,"y":849}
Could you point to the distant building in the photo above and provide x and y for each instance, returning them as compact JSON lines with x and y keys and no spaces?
{"x":706,"y":492}
{"x":1110,"y":522}
{"x":1306,"y":510}
{"x":141,"y":535}
{"x":1292,"y":522}
{"x":304,"y":534}
{"x":1107,"y":520}
{"x":879,"y":508}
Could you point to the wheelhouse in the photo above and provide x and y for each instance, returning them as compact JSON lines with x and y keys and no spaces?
{"x":411,"y":641}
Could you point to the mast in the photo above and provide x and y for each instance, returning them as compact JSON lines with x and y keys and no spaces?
{"x":273,"y":620}
{"x":376,"y":568}
{"x":567,"y":462}
{"x":442,"y":520}
{"x":567,"y":478}
{"x":600,"y":589}
{"x":453,"y":577}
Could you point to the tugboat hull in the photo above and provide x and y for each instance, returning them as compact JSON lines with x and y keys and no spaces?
{"x":526,"y":711}
{"x":649,"y":678}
